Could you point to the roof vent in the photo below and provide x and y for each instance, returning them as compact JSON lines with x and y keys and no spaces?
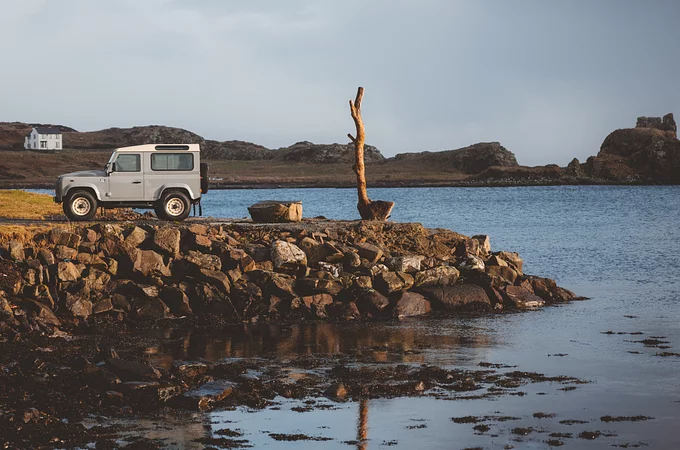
{"x":172,"y":147}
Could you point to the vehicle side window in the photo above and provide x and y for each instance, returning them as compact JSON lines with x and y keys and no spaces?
{"x":172,"y":161}
{"x":128,"y":163}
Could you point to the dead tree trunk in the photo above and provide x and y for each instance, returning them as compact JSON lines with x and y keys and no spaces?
{"x":379,"y":209}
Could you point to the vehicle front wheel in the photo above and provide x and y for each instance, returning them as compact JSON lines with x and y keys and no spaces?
{"x":173,"y":206}
{"x":80,"y":205}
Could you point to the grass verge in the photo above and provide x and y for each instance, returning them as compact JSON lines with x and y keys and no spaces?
{"x":17,"y":204}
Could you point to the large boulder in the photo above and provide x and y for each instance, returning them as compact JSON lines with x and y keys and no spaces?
{"x":437,"y":276}
{"x":411,"y":304}
{"x":520,"y":298}
{"x":287,"y":255}
{"x":457,"y":296}
{"x":197,"y":261}
{"x":148,"y":263}
{"x":390,"y":282}
{"x":371,"y":252}
{"x":67,"y":271}
{"x":167,"y":240}
{"x":271,"y":211}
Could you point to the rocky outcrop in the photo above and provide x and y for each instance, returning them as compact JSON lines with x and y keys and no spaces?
{"x":315,"y":270}
{"x":470,"y":160}
{"x":649,"y":152}
{"x":325,"y":153}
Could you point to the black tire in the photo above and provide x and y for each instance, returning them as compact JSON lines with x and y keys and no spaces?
{"x":173,"y":206}
{"x":80,"y":205}
{"x":204,"y":178}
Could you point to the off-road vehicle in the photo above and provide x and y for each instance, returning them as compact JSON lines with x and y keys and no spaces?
{"x":169,"y":178}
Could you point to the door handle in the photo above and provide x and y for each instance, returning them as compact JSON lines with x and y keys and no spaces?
{"x":136,"y":182}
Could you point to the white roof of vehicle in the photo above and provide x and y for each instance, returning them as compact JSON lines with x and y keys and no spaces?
{"x":161,"y":147}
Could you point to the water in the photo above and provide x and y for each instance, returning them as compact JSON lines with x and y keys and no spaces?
{"x":616,"y":245}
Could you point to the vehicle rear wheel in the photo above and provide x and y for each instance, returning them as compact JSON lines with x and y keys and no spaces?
{"x":80,"y":205}
{"x":173,"y":206}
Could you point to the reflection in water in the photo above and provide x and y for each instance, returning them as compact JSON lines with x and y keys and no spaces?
{"x":385,"y":342}
{"x":362,"y":425}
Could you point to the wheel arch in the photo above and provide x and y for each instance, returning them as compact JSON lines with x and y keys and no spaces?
{"x":69,"y":192}
{"x":186,"y":188}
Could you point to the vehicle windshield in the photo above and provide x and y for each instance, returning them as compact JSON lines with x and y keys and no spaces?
{"x":111,"y":159}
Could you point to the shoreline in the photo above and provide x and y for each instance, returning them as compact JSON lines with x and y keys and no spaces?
{"x":460,"y":184}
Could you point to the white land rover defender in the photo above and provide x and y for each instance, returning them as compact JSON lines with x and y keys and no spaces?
{"x":169,"y":178}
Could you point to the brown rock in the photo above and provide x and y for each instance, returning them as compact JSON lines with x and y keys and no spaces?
{"x":46,"y":257}
{"x":411,"y":304}
{"x":457,"y":296}
{"x":408,"y":264}
{"x":136,"y":237}
{"x":167,"y":240}
{"x":276,"y":211}
{"x":437,"y":276}
{"x":285,"y":255}
{"x":68,"y":239}
{"x":197,"y":261}
{"x":520,"y":298}
{"x":198,"y":229}
{"x":468,"y":247}
{"x":81,"y":308}
{"x":92,"y":260}
{"x":151,"y":308}
{"x":484,"y":243}
{"x":371,"y":252}
{"x":176,"y":299}
{"x":16,"y":250}
{"x":513,"y":260}
{"x":200,"y":242}
{"x":344,"y":311}
{"x":102,"y":306}
{"x":148,"y":262}
{"x":67,"y":271}
{"x":63,"y":252}
{"x":43,"y":313}
{"x":217,"y":279}
{"x":372,"y":301}
{"x":316,"y":304}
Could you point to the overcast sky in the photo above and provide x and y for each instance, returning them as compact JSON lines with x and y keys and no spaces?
{"x":547,"y":79}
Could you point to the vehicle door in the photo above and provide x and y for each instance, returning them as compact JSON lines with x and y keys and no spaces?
{"x":126,"y":181}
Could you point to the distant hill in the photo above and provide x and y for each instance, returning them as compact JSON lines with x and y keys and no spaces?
{"x":12,"y":133}
{"x":470,"y":160}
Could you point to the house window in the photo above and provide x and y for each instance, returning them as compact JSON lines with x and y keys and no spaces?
{"x":43,"y":144}
{"x":128,"y":163}
{"x":57,"y":144}
{"x":172,"y":161}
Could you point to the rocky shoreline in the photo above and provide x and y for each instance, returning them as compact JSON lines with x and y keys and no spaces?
{"x":73,"y":298}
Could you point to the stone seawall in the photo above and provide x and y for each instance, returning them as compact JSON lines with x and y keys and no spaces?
{"x":316,"y":270}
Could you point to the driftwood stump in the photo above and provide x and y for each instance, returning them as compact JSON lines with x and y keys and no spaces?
{"x":369,"y":210}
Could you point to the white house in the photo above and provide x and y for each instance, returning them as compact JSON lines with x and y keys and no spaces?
{"x":43,"y":138}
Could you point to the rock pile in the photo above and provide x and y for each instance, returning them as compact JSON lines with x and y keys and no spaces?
{"x":309,"y":270}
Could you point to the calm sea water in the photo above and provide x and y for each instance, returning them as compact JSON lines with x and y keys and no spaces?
{"x":617,"y":245}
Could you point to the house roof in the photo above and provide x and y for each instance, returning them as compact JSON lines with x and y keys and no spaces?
{"x":48,"y":130}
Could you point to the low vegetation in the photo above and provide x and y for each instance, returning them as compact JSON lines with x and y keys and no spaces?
{"x":16,"y":204}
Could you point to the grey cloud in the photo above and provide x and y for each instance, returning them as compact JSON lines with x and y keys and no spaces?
{"x":548,"y":80}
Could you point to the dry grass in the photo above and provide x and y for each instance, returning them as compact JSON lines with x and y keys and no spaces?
{"x":15,"y":204}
